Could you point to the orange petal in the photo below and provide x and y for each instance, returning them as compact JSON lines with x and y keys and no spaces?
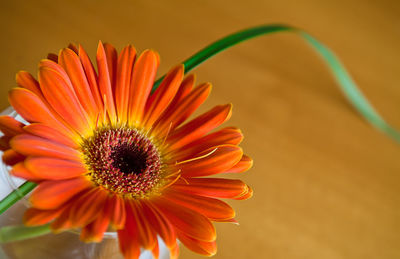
{"x":30,"y":145}
{"x":233,"y":221}
{"x":105,"y":86}
{"x":199,"y":126}
{"x":10,"y":157}
{"x":118,"y":215}
{"x":19,"y":170}
{"x":52,"y":194}
{"x":29,"y":106}
{"x":36,"y":217}
{"x":92,"y":79}
{"x":183,"y":108}
{"x":60,"y":94}
{"x":246,"y":195}
{"x":162,"y":97}
{"x":229,"y":135}
{"x":147,"y":235}
{"x":212,"y":187}
{"x":94,"y":231}
{"x":186,"y":220}
{"x":54,"y":168}
{"x":160,"y":224}
{"x":126,"y":61}
{"x":9,"y":126}
{"x":71,"y":63}
{"x":62,"y":222}
{"x":112,"y":61}
{"x":32,"y":109}
{"x":129,"y":237}
{"x":243,"y":165}
{"x":156,"y":250}
{"x":142,"y":81}
{"x":184,"y":89}
{"x":86,"y":208}
{"x":41,"y":130}
{"x":27,"y":81}
{"x":197,"y":246}
{"x":213,"y":209}
{"x":174,"y":252}
{"x":220,"y":159}
{"x":162,"y":125}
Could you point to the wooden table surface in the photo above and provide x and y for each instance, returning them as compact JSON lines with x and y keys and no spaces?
{"x":327,"y":184}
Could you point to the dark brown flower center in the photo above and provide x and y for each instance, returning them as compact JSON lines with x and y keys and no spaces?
{"x":123,"y":161}
{"x":129,"y":160}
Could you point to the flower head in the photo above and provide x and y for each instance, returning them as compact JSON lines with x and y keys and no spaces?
{"x":107,"y":153}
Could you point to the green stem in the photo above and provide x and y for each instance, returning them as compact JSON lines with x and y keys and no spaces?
{"x":224,"y":43}
{"x":346,"y":84}
{"x":16,"y":233}
{"x":16,"y":195}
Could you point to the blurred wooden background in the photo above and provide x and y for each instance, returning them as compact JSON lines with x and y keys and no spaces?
{"x":327,"y":185}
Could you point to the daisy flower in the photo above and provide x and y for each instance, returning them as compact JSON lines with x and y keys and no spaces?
{"x":107,"y":153}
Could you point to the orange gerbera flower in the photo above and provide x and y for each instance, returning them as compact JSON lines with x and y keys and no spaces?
{"x":108,"y":154}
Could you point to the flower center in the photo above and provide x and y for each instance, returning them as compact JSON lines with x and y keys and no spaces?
{"x":129,"y":160}
{"x":122,"y":160}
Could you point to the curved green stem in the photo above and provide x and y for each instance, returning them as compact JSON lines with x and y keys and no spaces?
{"x":346,"y":84}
